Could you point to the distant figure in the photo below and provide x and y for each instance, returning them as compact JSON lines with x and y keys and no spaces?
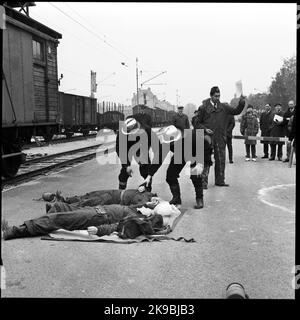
{"x":181,"y":120}
{"x":230,"y":126}
{"x":212,"y":118}
{"x":292,"y":133}
{"x":287,"y":116}
{"x":194,"y":118}
{"x":277,"y":130}
{"x":249,"y":127}
{"x":265,"y":123}
{"x":142,"y":117}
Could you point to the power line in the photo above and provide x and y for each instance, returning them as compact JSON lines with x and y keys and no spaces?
{"x":88,"y":30}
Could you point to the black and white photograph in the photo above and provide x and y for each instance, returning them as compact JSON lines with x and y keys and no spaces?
{"x":149,"y":152}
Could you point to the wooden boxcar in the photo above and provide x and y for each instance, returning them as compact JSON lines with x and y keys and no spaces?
{"x":29,"y":84}
{"x":109,"y":120}
{"x":77,"y":113}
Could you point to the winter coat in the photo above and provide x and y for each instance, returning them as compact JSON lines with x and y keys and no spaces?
{"x":287,"y":116}
{"x":277,"y":129}
{"x":216,"y":119}
{"x":181,"y":121}
{"x":230,"y":126}
{"x":249,"y":127}
{"x":265,"y":123}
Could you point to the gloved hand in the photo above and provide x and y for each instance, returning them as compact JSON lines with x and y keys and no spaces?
{"x":198,"y":169}
{"x":145,"y":184}
{"x":92,"y":230}
{"x":129,"y":171}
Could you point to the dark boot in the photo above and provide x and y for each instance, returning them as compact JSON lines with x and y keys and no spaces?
{"x":175,"y":190}
{"x":199,"y":203}
{"x":15,"y":232}
{"x":198,"y":185}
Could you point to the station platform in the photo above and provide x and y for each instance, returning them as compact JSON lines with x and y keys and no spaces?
{"x":245,"y":233}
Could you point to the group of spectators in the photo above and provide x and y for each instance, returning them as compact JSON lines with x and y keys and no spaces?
{"x":274,"y":124}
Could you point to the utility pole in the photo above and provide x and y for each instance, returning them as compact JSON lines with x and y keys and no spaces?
{"x":137,"y":82}
{"x":177,"y":98}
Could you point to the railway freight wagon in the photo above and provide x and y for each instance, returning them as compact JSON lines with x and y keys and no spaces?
{"x":109,"y":120}
{"x":159,"y":116}
{"x":29,"y":85}
{"x":77,"y":114}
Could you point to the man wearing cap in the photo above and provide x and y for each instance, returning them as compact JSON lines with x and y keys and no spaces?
{"x":179,"y":141}
{"x":265,"y":123}
{"x":181,"y":120}
{"x":287,"y":116}
{"x":212,"y":117}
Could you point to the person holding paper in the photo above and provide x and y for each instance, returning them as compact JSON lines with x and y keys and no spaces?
{"x":213,"y":118}
{"x":277,"y":130}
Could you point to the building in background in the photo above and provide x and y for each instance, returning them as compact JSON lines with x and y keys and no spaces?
{"x":148,"y":98}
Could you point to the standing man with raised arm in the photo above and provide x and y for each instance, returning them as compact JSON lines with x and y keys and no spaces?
{"x":212,"y":117}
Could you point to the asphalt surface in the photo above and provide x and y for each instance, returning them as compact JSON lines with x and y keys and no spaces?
{"x":245,"y":233}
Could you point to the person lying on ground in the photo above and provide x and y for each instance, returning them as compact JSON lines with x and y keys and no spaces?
{"x":103,"y":197}
{"x":106,"y":218}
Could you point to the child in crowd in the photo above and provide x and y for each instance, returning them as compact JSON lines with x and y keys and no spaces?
{"x":249,"y":127}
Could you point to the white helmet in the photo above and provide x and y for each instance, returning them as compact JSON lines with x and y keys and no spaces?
{"x":131,"y":126}
{"x":171,"y":134}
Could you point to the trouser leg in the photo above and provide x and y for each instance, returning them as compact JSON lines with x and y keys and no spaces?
{"x":288,"y":149}
{"x":62,"y":207}
{"x":247,"y":146}
{"x":197,"y":182}
{"x":144,"y":169}
{"x":229,"y":147}
{"x":220,"y":156}
{"x":173,"y":173}
{"x":253,"y":150}
{"x":266,"y":149}
{"x":123,"y":177}
{"x":273,"y":151}
{"x":75,"y":220}
{"x":279,"y":150}
{"x":204,"y":175}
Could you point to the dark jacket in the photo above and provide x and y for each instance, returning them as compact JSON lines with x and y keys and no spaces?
{"x":181,"y":121}
{"x":292,"y":133}
{"x":230,"y":126}
{"x":287,"y":115}
{"x":216,"y":119}
{"x":277,"y":129}
{"x":265,"y":123}
{"x":249,"y":127}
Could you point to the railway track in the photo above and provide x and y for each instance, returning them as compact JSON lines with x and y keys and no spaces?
{"x":40,"y":166}
{"x":57,"y":141}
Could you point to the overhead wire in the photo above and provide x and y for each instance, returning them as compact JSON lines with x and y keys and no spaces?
{"x":88,"y":30}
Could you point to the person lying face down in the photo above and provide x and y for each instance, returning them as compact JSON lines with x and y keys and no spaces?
{"x":96,"y":217}
{"x":103,"y":197}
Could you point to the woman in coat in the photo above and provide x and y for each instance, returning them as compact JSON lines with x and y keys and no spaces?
{"x":249,"y":127}
{"x":277,"y":130}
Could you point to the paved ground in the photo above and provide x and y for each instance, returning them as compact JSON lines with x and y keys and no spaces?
{"x":245,"y":233}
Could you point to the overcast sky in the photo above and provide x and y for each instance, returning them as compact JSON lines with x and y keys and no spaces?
{"x":199,"y":45}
